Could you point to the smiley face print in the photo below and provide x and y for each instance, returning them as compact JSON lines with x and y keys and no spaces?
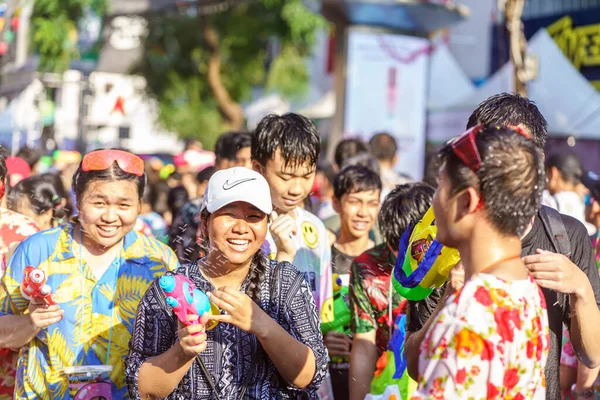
{"x":310,"y":234}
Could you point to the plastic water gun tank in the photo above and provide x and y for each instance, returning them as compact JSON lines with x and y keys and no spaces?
{"x":34,"y":286}
{"x":423,"y":263}
{"x":186,"y":299}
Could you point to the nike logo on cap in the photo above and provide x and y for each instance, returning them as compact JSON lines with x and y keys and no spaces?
{"x":227,"y":185}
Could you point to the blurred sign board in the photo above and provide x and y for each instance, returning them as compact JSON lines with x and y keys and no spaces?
{"x":386,"y":86}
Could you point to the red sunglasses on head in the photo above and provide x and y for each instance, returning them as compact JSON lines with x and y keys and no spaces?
{"x":466,"y":149}
{"x":103,"y":159}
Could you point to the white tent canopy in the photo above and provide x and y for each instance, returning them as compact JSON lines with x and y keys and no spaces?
{"x":567,"y":100}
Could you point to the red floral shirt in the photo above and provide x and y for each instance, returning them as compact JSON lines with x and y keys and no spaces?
{"x":14,"y":228}
{"x":490,"y":341}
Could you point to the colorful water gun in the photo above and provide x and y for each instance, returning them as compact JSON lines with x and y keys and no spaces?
{"x":34,"y":286}
{"x":341,"y":309}
{"x":186,"y":299}
{"x":423,"y":263}
{"x":391,"y":377}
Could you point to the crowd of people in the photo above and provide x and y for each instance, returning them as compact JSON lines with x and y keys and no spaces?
{"x":296,"y":255}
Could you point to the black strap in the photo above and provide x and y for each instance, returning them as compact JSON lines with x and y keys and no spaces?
{"x":557,"y":232}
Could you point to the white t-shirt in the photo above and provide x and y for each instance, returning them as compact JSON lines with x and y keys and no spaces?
{"x":313,"y":259}
{"x":568,"y":203}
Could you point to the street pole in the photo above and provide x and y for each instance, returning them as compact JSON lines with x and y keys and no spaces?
{"x":513,"y":12}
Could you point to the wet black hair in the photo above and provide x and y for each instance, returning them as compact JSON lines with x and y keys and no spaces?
{"x":295,"y":136}
{"x":568,"y":165}
{"x":258,"y":267}
{"x":42,"y":196}
{"x":3,"y":156}
{"x":511,"y":109}
{"x":404,"y":205}
{"x":30,"y":155}
{"x":354,"y":179}
{"x":176,"y":198}
{"x":510,"y":180}
{"x":366,"y":160}
{"x":348,"y":148}
{"x":205,"y":174}
{"x":229,"y":143}
{"x":82,"y":179}
{"x":57,"y":183}
{"x":383,"y":146}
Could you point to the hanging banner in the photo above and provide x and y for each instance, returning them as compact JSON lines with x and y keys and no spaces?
{"x":386,"y":86}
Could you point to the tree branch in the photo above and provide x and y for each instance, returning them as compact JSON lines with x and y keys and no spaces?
{"x":231,"y":109}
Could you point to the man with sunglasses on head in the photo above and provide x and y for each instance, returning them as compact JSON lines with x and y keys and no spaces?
{"x":558,"y":253}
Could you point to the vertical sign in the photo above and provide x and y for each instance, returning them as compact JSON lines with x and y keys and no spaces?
{"x":386,"y":91}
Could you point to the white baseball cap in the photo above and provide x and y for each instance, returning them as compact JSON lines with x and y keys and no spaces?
{"x":237,"y":184}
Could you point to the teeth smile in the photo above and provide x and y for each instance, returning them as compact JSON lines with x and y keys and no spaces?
{"x":238,"y":242}
{"x":108,"y":229}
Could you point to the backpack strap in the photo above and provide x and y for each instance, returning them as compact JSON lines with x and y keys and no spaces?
{"x":556,"y":230}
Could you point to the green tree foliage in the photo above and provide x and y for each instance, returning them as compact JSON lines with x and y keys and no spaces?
{"x":54,"y":30}
{"x":199,"y":68}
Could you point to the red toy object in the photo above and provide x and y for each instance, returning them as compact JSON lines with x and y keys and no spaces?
{"x":34,"y":286}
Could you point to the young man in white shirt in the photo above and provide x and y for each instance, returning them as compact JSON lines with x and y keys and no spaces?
{"x":285,"y":150}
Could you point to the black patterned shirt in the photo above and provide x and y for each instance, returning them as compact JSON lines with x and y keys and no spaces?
{"x":231,"y":351}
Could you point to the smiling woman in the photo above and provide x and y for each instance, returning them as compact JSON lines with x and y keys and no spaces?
{"x":98,"y":268}
{"x":268,"y":344}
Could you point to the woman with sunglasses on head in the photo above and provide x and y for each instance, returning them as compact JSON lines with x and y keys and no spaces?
{"x":267,"y":344}
{"x":97,"y":269}
{"x":490,"y":338}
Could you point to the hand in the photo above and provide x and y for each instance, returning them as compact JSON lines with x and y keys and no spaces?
{"x":456,"y":279}
{"x":241,"y":310}
{"x":42,"y":315}
{"x":283,"y":229}
{"x":192,"y":338}
{"x":555,"y":271}
{"x":337,"y":343}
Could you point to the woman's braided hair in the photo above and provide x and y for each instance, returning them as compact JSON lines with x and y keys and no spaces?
{"x":258,"y":266}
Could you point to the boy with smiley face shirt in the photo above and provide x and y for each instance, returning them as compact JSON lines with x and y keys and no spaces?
{"x":285,"y":150}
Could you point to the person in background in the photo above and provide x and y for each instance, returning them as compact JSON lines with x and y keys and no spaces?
{"x":31,"y":156}
{"x":154,"y":220}
{"x":571,"y":285}
{"x":285,"y":150}
{"x":66,"y":201}
{"x":203,"y":177}
{"x":324,"y":181}
{"x":564,"y":172}
{"x":233,"y":149}
{"x":370,"y":284}
{"x":14,"y":228}
{"x":37,"y":199}
{"x":333,"y":223}
{"x":192,"y":144}
{"x":176,"y":198}
{"x":384,"y":147}
{"x":184,"y":231}
{"x":356,"y":199}
{"x":267,"y":344}
{"x":346,"y":149}
{"x":98,"y":269}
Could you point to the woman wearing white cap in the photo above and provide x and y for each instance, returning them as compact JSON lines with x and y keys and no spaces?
{"x":267,"y":344}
